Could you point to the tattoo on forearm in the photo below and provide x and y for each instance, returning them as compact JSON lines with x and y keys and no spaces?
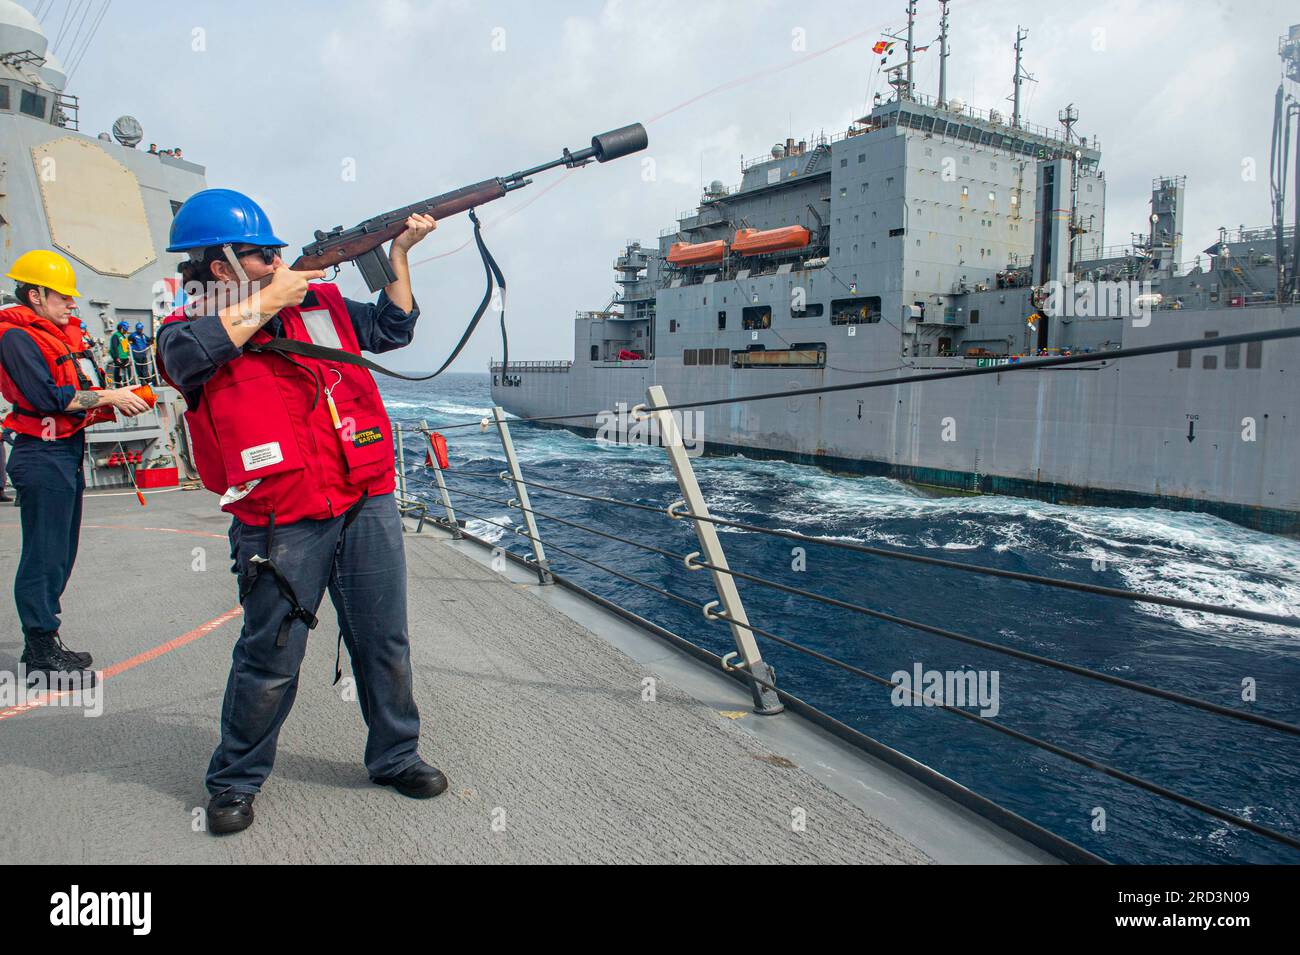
{"x":86,"y":399}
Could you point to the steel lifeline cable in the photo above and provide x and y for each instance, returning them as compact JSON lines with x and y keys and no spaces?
{"x":691,"y":562}
{"x":1097,"y":589}
{"x":1072,"y":756}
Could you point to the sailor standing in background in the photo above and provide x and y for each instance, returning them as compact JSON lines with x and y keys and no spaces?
{"x":300,"y":449}
{"x":42,"y":379}
{"x":119,"y":353}
{"x":140,"y":343}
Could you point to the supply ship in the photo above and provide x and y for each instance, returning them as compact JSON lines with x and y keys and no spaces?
{"x":932,"y":235}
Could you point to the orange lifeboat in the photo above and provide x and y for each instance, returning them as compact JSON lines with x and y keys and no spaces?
{"x":684,"y":253}
{"x":754,"y":242}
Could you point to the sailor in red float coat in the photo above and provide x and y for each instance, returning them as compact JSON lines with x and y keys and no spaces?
{"x":300,"y":451}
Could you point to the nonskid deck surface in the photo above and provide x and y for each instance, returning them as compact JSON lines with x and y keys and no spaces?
{"x":540,"y":725}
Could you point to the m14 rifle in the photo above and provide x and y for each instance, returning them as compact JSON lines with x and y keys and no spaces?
{"x":363,"y":242}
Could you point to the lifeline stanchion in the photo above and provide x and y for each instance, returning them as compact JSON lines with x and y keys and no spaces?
{"x":521,"y":495}
{"x":442,"y":488}
{"x":766,"y":701}
{"x":401,"y":462}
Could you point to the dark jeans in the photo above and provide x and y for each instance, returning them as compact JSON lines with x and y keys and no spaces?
{"x":121,"y":374}
{"x":142,"y":371}
{"x":364,"y":568}
{"x":50,"y":482}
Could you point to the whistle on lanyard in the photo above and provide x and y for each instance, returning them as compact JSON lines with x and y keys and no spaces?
{"x":329,"y":400}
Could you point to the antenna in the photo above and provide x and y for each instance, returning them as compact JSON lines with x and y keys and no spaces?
{"x":1068,"y":117}
{"x":943,"y":53}
{"x":911,"y":26}
{"x":1021,"y":75}
{"x":900,"y":75}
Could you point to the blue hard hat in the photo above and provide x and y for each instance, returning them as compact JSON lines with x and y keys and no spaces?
{"x":122,"y":326}
{"x":139,"y":326}
{"x":218,"y":216}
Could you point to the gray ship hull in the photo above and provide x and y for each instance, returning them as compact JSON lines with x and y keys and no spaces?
{"x":1134,"y":432}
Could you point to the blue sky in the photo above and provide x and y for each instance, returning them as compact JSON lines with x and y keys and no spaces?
{"x":281,"y":100}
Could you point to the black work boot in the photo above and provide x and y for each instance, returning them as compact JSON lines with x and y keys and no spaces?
{"x":45,"y":655}
{"x":82,"y":659}
{"x":420,"y":781}
{"x":229,"y":812}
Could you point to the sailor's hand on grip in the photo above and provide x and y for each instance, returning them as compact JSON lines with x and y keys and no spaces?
{"x":287,"y":288}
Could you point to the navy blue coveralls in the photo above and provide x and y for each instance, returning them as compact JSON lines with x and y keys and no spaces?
{"x":50,"y":482}
{"x":362,"y":564}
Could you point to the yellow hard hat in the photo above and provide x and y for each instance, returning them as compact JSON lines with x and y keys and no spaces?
{"x":46,"y":269}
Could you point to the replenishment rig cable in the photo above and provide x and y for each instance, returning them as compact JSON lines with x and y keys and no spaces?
{"x":1193,"y":344}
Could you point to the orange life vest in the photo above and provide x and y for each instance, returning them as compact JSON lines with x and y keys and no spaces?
{"x":64,"y":369}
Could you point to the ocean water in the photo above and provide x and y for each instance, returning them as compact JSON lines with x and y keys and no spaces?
{"x":1234,"y":766}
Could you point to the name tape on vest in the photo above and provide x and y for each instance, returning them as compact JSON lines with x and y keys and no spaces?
{"x":369,"y":436}
{"x":262,"y":456}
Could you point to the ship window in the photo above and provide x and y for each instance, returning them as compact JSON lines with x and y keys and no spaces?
{"x":1254,"y":352}
{"x":812,"y":310}
{"x":800,"y":354}
{"x":688,"y":356}
{"x":1232,"y":356}
{"x":31,"y":104}
{"x":855,"y":311}
{"x":974,"y":316}
{"x":1210,"y":361}
{"x":862,"y":157}
{"x":4,"y":96}
{"x":720,"y":356}
{"x":757,"y":316}
{"x":895,"y":232}
{"x":672,"y":324}
{"x":176,"y":207}
{"x":706,"y":356}
{"x":595,"y":353}
{"x":722,"y":320}
{"x":1184,"y":359}
{"x":843,"y":163}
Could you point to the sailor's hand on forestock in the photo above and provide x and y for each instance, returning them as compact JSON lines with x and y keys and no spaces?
{"x":417,"y":227}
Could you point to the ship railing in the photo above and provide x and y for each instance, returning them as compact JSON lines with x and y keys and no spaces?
{"x":1258,"y":234}
{"x":132,"y":374}
{"x":461,"y":500}
{"x":560,"y":364}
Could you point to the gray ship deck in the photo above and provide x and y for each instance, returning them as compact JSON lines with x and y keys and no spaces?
{"x":531,"y":703}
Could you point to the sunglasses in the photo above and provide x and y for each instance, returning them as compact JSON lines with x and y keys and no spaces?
{"x":268,"y":253}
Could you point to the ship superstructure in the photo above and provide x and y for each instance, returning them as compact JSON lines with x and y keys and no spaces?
{"x":933,"y":235}
{"x":107,"y":205}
